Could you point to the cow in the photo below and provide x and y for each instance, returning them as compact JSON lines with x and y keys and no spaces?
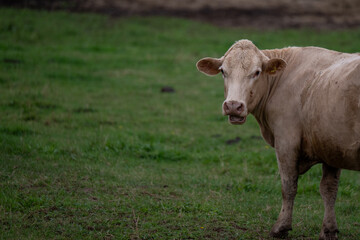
{"x":306,"y":101}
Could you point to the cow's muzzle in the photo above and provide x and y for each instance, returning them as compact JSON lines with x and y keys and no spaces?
{"x":236,"y":111}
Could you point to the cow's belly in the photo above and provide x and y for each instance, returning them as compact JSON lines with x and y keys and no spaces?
{"x":333,"y":137}
{"x":335,"y":142}
{"x":335,"y":154}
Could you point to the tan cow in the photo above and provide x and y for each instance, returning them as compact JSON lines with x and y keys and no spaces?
{"x":307,"y":103}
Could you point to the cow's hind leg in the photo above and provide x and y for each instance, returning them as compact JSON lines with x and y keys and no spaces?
{"x":328,"y":191}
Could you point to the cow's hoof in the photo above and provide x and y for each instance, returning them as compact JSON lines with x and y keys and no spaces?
{"x":280,"y":233}
{"x":328,"y":235}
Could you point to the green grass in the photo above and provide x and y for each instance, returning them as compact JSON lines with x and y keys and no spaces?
{"x":91,"y":149}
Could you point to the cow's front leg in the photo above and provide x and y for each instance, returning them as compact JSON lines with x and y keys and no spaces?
{"x":287,"y":163}
{"x":328,"y":190}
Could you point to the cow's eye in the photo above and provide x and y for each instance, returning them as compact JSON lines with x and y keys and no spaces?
{"x":257,"y":73}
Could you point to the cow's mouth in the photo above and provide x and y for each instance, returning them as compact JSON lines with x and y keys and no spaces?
{"x":233,"y":119}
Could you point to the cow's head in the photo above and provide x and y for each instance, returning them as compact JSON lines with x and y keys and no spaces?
{"x":244,"y":69}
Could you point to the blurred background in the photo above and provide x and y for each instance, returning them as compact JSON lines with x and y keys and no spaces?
{"x":236,"y":13}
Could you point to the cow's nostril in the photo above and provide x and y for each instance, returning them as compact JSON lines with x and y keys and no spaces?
{"x":226,"y":107}
{"x":233,"y":107}
{"x":240,"y":107}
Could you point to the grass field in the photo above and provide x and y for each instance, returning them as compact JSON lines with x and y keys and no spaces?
{"x":91,"y":149}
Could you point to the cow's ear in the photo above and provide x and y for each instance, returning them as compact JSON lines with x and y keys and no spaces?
{"x":274,"y":66}
{"x":209,"y":66}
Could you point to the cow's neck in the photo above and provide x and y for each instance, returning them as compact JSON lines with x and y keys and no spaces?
{"x":287,"y":54}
